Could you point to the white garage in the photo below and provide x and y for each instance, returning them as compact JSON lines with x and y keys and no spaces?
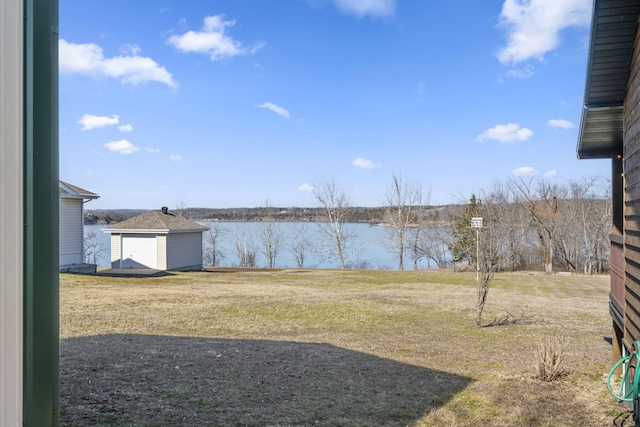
{"x":156,"y":240}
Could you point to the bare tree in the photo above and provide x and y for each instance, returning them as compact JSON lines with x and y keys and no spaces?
{"x":402,"y":210}
{"x":492,"y":241}
{"x":94,"y":247}
{"x":591,"y":200}
{"x":213,"y":239}
{"x":545,"y":206}
{"x":245,"y":248}
{"x":271,"y":238}
{"x":423,"y":236}
{"x":181,"y":208}
{"x":416,"y":238}
{"x":432,"y":240}
{"x":299,"y":243}
{"x":514,"y":222}
{"x":335,"y":225}
{"x":482,"y":247}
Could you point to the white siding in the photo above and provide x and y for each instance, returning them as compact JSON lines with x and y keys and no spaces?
{"x":115,"y":250}
{"x":71,"y":232}
{"x":184,"y":250}
{"x":11,"y":210}
{"x":162,"y":251}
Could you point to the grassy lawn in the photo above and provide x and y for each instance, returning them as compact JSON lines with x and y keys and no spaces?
{"x":332,"y":348}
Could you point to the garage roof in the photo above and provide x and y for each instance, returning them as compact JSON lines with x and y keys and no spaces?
{"x":613,"y":32}
{"x":157,"y":221}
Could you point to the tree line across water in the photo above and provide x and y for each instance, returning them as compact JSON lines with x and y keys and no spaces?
{"x":527,"y":224}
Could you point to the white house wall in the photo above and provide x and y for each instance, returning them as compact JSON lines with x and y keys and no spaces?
{"x":11,"y":212}
{"x":115,"y":250}
{"x":162,"y":251}
{"x":184,"y":250}
{"x":71,"y":232}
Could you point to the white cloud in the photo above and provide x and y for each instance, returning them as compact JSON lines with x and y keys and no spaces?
{"x":212,"y":40}
{"x":524,"y":171}
{"x":175,"y":158}
{"x":361,"y":8}
{"x":508,"y":133}
{"x":151,"y":150}
{"x":306,"y":187}
{"x":89,"y":121}
{"x":123,"y":147}
{"x":363,"y":163}
{"x":88,"y":59}
{"x":130,"y":49}
{"x":125,"y":128}
{"x":534,"y":26}
{"x":521,"y":73}
{"x":551,"y":174}
{"x":278,"y":110}
{"x":561,"y":124}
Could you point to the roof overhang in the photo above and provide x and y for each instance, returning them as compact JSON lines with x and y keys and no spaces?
{"x":153,"y":230}
{"x":613,"y":32}
{"x":601,"y":133}
{"x":68,"y":191}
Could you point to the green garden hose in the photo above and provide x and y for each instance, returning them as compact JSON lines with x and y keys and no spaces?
{"x":630,"y":395}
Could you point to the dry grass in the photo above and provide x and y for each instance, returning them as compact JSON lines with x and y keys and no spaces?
{"x":322,"y":347}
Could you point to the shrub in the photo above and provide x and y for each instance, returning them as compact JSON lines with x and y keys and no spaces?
{"x":548,"y":356}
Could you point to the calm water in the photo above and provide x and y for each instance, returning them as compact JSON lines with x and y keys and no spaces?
{"x":368,"y":245}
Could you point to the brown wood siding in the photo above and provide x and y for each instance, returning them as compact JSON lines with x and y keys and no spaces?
{"x":631,"y":155}
{"x":633,"y":161}
{"x":617,"y":273}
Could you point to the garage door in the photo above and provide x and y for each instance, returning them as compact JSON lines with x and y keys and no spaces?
{"x":139,"y":251}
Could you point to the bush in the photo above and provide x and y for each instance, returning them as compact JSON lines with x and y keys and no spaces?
{"x":548,"y":356}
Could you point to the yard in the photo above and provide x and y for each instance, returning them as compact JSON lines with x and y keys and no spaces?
{"x":330,"y":348}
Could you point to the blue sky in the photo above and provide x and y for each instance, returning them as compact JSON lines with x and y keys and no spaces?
{"x":229,"y":103}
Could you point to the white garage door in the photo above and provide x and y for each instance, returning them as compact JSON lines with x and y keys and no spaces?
{"x":139,"y":251}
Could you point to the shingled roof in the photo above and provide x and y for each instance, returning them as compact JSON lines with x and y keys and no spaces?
{"x":159,"y":220}
{"x":69,"y":191}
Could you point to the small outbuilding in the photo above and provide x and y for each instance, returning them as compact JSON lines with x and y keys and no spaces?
{"x":72,"y":200}
{"x":157,"y":240}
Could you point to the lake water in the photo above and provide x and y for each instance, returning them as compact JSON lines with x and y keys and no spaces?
{"x":369,"y":250}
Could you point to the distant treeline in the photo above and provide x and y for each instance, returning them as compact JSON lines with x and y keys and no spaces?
{"x":360,"y":214}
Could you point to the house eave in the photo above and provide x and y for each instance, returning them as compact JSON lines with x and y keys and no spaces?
{"x":72,"y":192}
{"x":78,"y":197}
{"x":613,"y":31}
{"x":601,"y":132}
{"x":153,"y":231}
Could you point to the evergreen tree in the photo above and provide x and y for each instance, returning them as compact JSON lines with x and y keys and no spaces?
{"x":463,"y":245}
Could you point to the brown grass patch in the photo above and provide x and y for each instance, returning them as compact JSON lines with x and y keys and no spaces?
{"x":323,"y":347}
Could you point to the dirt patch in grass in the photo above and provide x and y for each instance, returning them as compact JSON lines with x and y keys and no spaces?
{"x":348,"y":348}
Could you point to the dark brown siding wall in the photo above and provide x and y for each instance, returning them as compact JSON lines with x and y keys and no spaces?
{"x":632,"y":201}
